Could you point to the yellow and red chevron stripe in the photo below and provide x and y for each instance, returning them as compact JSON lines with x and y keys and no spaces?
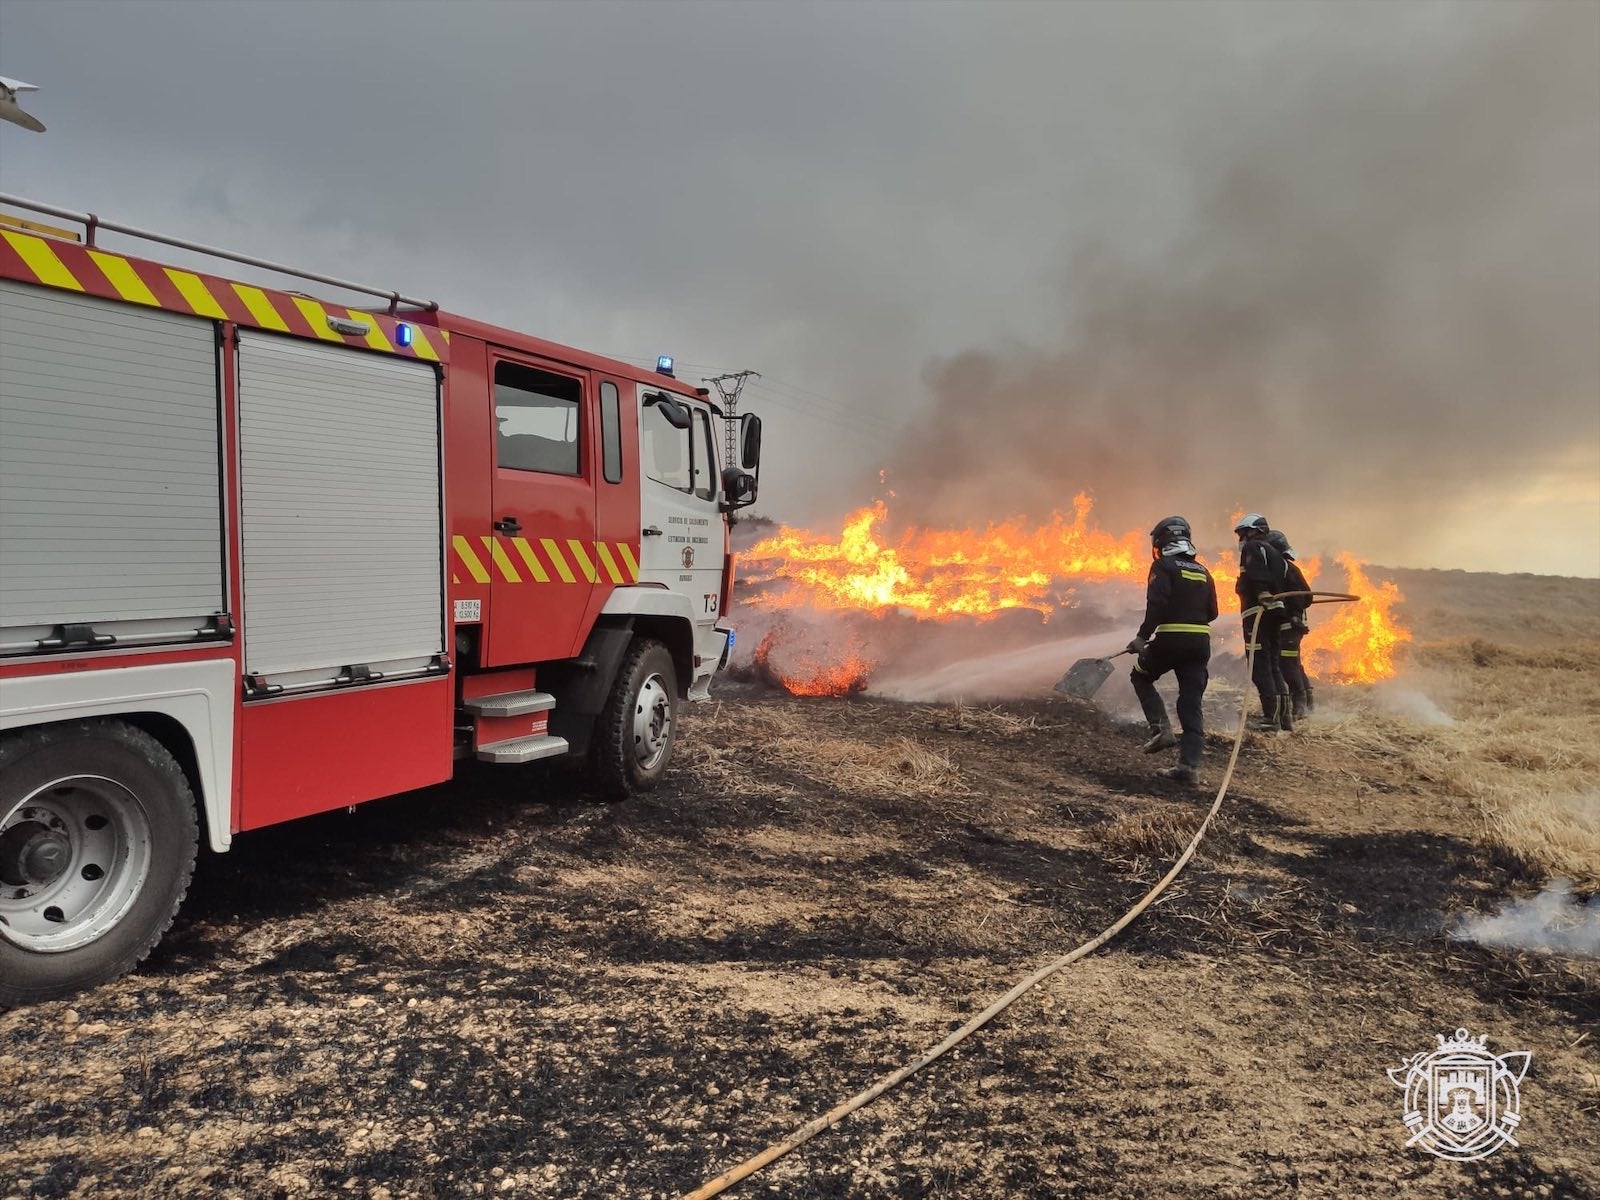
{"x":491,"y":558}
{"x":93,"y":272}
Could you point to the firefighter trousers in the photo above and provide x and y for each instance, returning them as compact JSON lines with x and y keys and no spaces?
{"x":1294,"y":671}
{"x":1187,"y":656}
{"x":1266,"y":672}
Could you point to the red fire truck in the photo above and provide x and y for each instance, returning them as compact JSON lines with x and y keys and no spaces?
{"x":263,"y":556}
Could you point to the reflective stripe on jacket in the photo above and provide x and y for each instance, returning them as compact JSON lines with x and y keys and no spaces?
{"x":1180,"y":597}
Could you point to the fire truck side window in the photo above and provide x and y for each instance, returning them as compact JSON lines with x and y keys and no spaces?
{"x":536,"y":415}
{"x":705,"y":457}
{"x":666,"y":451}
{"x":611,"y":432}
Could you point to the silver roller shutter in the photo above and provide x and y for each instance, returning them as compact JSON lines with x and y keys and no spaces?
{"x":341,"y":521}
{"x":110,"y":503}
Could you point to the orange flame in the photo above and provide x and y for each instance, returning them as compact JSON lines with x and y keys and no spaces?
{"x":1357,"y":642}
{"x":939,"y":573}
{"x":801,"y":673}
{"x":947,"y":574}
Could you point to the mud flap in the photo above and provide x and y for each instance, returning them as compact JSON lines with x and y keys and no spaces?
{"x":581,"y":685}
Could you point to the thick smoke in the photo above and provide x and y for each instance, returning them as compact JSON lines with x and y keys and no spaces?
{"x":1386,"y":303}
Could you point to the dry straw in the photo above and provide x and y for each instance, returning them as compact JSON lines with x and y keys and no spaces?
{"x":795,"y":743}
{"x":1522,"y":754}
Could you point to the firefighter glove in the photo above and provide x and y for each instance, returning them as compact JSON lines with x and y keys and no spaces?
{"x":1137,"y":646}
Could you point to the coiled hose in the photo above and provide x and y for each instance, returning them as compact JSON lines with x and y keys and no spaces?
{"x":715,"y":1187}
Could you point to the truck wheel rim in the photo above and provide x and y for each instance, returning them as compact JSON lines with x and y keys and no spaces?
{"x":652,"y":722}
{"x":74,"y":855}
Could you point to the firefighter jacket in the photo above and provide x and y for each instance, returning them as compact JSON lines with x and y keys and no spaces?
{"x":1295,"y":581}
{"x":1179,"y":598}
{"x":1261,"y":569}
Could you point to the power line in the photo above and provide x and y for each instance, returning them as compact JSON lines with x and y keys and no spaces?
{"x":879,"y":437}
{"x":863,"y":423}
{"x":801,"y":401}
{"x":816,"y":401}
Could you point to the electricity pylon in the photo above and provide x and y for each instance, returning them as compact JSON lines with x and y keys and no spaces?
{"x":728,"y":387}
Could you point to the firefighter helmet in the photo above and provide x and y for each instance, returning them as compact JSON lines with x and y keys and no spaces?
{"x":1279,"y":541}
{"x":1252,"y":525}
{"x":1169,"y":530}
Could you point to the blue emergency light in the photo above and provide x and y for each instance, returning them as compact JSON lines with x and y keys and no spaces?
{"x":664,"y":365}
{"x":402,"y":335}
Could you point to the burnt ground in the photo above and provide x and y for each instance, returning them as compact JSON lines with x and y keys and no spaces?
{"x":500,"y":987}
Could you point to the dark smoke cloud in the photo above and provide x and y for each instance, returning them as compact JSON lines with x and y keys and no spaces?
{"x":1386,"y":304}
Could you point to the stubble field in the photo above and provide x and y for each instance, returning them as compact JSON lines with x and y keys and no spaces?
{"x":498,"y":987}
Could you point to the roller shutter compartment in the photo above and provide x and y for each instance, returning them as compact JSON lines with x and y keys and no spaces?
{"x":110,"y":495}
{"x":340,"y":514}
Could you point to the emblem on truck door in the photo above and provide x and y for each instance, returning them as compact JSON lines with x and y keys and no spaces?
{"x":688,"y":557}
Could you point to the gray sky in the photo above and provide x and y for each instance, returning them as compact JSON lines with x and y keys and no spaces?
{"x":1338,"y":263}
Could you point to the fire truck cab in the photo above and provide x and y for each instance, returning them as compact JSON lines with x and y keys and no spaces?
{"x":262,"y":556}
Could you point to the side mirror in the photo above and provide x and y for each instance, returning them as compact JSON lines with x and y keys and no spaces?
{"x":750,"y":442}
{"x":739,"y":488}
{"x":677,"y":414}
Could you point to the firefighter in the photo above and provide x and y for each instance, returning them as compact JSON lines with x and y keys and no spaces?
{"x":1180,"y":604}
{"x":1262,"y":575}
{"x":1293,"y":628}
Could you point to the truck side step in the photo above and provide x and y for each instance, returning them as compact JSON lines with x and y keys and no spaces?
{"x":510,"y":704}
{"x":521,"y":750}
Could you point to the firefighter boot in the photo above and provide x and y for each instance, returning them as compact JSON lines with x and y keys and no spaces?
{"x":1299,"y":705}
{"x":1160,"y":739}
{"x":1285,"y":714}
{"x":1311,"y":700}
{"x":1182,"y":773}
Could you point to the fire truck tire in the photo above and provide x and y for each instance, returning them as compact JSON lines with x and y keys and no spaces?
{"x":97,"y":846}
{"x":635,"y":732}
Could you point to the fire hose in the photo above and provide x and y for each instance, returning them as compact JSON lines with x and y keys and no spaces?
{"x":715,"y":1187}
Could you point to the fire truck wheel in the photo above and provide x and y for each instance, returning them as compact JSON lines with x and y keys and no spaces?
{"x":97,"y":845}
{"x":634,"y":734}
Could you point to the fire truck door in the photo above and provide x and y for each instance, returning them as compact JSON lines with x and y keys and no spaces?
{"x":681,"y":545}
{"x":541,"y":554}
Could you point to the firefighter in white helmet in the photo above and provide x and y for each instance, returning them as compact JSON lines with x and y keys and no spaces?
{"x":1262,"y":575}
{"x":1293,"y":627}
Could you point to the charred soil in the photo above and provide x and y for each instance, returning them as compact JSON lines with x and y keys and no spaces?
{"x":502,"y":987}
